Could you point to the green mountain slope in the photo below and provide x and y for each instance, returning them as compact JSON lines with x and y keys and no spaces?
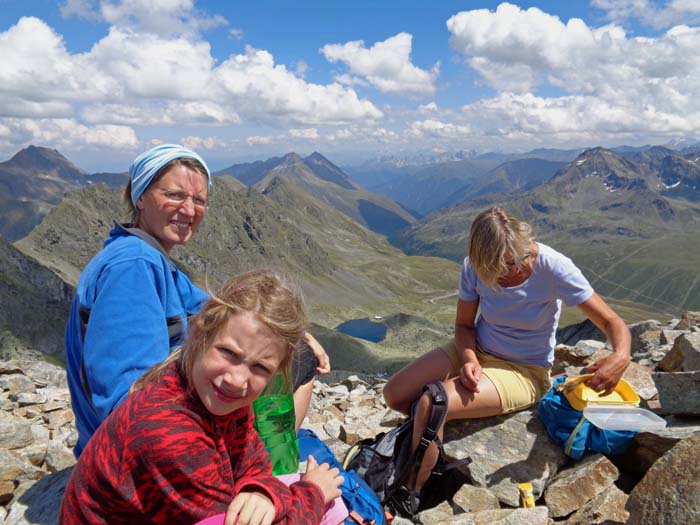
{"x":344,"y":269}
{"x":609,"y":215}
{"x":324,"y":181}
{"x":31,"y":182}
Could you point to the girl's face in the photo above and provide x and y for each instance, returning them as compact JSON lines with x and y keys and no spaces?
{"x":236,"y":368}
{"x":174,"y":206}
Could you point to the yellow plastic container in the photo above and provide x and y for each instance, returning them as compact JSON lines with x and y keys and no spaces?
{"x":580,"y":396}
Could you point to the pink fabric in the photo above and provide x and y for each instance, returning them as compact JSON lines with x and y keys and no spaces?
{"x":336,"y":511}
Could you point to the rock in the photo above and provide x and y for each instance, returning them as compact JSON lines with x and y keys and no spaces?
{"x":669,"y":336}
{"x":575,"y":486}
{"x":670,"y":490}
{"x":684,"y":356}
{"x":14,"y":433}
{"x":40,"y":503}
{"x":531,"y":516}
{"x":15,"y":383}
{"x":473,"y":499}
{"x":58,"y":456}
{"x":607,"y":508}
{"x":30,"y":398}
{"x":679,"y":392}
{"x":645,"y":449}
{"x":505,"y":450}
{"x":688,"y":320}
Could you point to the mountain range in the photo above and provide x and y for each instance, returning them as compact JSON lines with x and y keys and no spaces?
{"x":629,"y":220}
{"x":326,"y":182}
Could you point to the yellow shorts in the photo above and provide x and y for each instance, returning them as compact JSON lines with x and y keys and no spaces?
{"x":519,"y":386}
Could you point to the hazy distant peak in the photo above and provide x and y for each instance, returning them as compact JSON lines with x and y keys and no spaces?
{"x":41,"y":159}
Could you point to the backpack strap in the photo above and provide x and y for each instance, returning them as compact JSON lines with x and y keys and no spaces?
{"x":438,"y":413}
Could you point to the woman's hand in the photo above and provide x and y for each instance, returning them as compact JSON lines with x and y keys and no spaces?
{"x":470,"y":375}
{"x":607,"y":371}
{"x":326,"y":478}
{"x":324,"y":363}
{"x":250,"y":508}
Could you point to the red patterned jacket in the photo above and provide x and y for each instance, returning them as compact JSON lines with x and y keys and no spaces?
{"x":162,"y":457}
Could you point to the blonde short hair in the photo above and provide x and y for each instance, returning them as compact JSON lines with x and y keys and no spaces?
{"x":261,"y":292}
{"x":495,"y":234}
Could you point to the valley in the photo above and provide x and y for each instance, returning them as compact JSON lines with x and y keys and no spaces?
{"x":628,"y":224}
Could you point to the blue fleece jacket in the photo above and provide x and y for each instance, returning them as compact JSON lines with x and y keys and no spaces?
{"x":129,"y":312}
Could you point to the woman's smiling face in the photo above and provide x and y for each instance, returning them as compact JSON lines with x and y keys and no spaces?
{"x":237,"y":366}
{"x":172,"y":208}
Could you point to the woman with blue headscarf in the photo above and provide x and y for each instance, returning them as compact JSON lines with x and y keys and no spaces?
{"x":132,"y":302}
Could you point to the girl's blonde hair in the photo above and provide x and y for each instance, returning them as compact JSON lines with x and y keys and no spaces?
{"x":495,"y":234}
{"x":261,"y":292}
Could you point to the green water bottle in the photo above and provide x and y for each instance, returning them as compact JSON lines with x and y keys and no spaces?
{"x":274,"y":421}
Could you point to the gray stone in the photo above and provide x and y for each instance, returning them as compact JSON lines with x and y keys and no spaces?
{"x":669,"y":336}
{"x":607,"y":508}
{"x":506,"y":450}
{"x":30,"y":398}
{"x":41,"y":502}
{"x":575,"y":486}
{"x":474,"y":499}
{"x":36,"y":452}
{"x":689,"y":347}
{"x":669,"y":493}
{"x":679,"y":392}
{"x":58,"y":456}
{"x":519,"y":516}
{"x":14,"y":433}
{"x":443,"y":512}
{"x":688,"y":321}
{"x":16,"y":383}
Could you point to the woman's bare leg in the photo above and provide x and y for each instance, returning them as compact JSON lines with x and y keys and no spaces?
{"x":406,"y":385}
{"x":461,"y":404}
{"x":302,"y":400}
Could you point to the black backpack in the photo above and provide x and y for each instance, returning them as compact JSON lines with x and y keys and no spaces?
{"x":386,"y":462}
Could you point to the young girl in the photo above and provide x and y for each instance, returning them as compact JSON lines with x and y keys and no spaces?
{"x":183,"y":447}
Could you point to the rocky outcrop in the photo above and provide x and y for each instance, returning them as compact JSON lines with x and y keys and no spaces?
{"x":37,"y":434}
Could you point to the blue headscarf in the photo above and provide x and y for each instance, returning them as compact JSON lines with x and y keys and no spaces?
{"x":146,"y":165}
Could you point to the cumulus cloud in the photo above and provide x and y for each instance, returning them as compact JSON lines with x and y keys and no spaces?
{"x":131,"y":78}
{"x":161,"y":17}
{"x":306,"y":133}
{"x":610,"y":80}
{"x":437,"y":129}
{"x":68,"y":132}
{"x":674,"y":12}
{"x":386,"y":65}
{"x":255,"y":140}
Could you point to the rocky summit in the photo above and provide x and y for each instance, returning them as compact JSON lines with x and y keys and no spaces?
{"x":655,"y":481}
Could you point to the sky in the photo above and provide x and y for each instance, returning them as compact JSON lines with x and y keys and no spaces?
{"x":102,"y":80}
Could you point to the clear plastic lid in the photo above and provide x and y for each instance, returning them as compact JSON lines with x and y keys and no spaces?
{"x":623,"y":417}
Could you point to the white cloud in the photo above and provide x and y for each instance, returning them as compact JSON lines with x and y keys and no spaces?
{"x":68,"y":132}
{"x":83,"y":9}
{"x":204,"y":143}
{"x":301,"y":68}
{"x":610,"y":81}
{"x":236,"y":34}
{"x":305,"y":133}
{"x":263,"y":88}
{"x":256,"y":140}
{"x":431,"y":107}
{"x":386,"y":65}
{"x":143,"y":79}
{"x":674,"y":12}
{"x":160,"y":17}
{"x":438,"y":129}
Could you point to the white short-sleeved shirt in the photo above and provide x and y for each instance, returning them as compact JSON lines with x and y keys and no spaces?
{"x":519,"y":323}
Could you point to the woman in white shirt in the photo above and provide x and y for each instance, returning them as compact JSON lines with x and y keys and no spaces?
{"x":499,"y":362}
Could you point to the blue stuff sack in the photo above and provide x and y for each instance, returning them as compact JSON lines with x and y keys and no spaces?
{"x":356,"y":494}
{"x":572,"y":431}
